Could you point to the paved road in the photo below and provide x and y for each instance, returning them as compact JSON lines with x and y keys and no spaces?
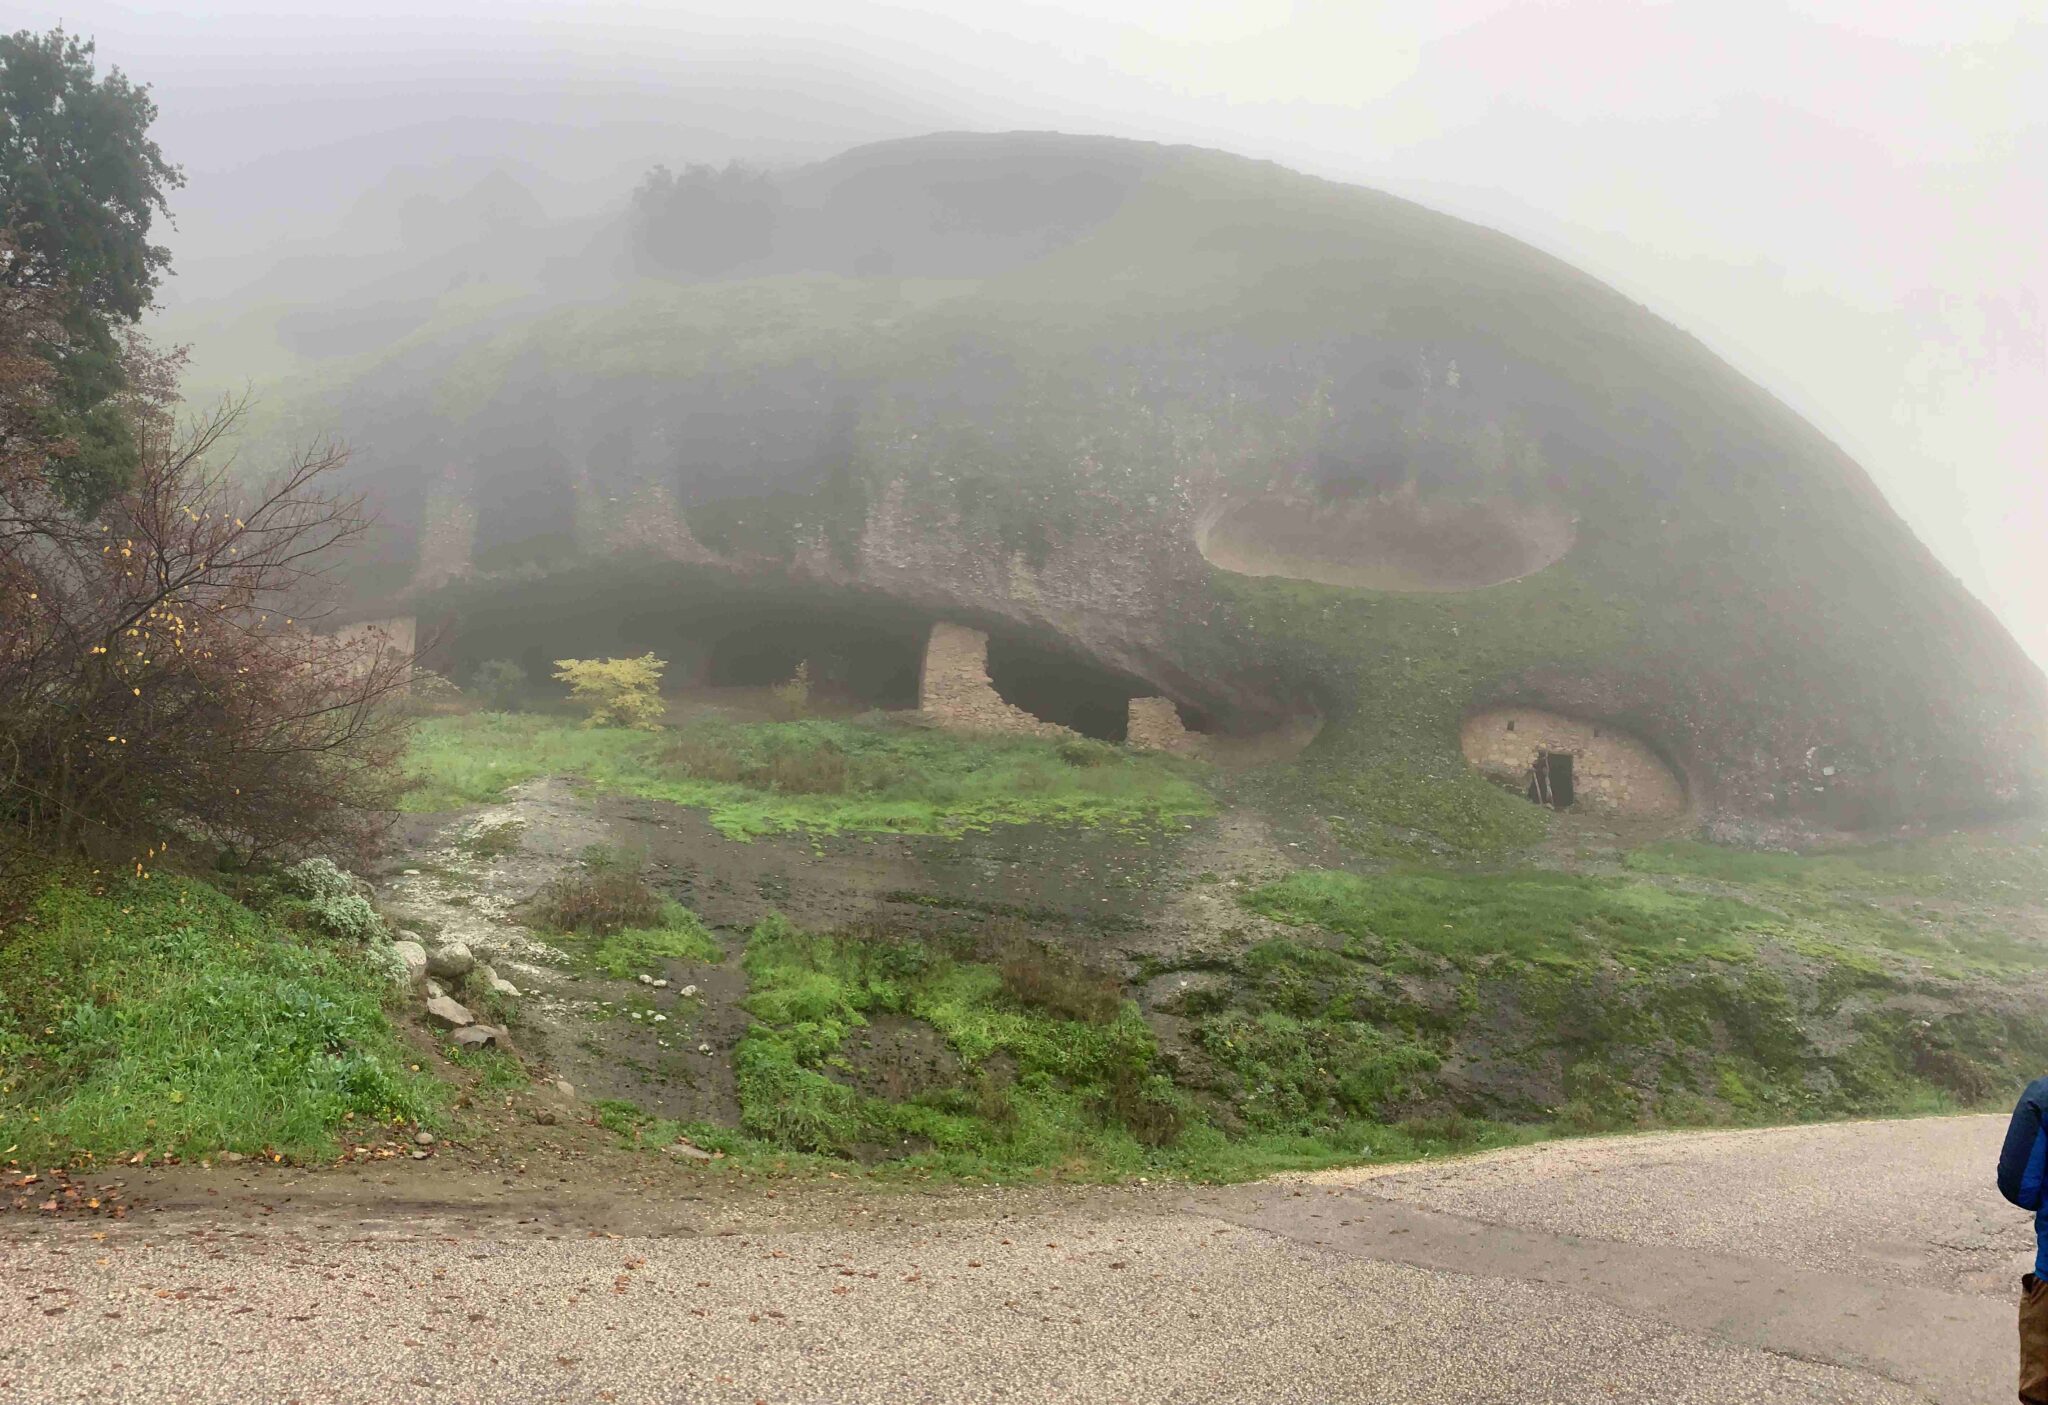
{"x":1866,"y":1262}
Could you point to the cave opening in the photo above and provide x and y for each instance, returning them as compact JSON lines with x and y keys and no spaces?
{"x":1550,"y":780}
{"x":721,"y":638}
{"x":1055,"y":686}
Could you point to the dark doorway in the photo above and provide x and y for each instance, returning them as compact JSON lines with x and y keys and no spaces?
{"x":1055,"y":686}
{"x":1550,"y":780}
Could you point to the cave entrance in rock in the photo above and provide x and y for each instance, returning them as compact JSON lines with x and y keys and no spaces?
{"x":727,"y":641}
{"x":855,"y":660}
{"x":1550,"y":780}
{"x":1058,"y":687}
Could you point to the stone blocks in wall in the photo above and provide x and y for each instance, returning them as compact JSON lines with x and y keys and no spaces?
{"x":954,"y":690}
{"x":1155,"y":725}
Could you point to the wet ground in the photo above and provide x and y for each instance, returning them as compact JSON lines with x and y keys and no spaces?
{"x":1114,"y":898}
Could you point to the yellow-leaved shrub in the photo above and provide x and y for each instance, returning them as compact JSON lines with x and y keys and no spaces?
{"x":617,"y":692}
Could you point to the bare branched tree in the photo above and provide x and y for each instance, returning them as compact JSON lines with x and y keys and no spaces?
{"x":159,"y":672}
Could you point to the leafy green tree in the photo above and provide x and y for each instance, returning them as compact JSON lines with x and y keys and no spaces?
{"x":80,"y":185}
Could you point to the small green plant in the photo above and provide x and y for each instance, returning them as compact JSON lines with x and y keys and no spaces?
{"x":1086,"y":751}
{"x":615,"y":692}
{"x":677,"y":936}
{"x":334,"y":899}
{"x":793,"y":694}
{"x":499,"y":684}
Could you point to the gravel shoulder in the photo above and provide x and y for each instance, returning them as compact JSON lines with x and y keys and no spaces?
{"x":276,"y":1291}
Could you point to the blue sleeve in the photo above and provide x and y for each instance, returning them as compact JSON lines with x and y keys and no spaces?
{"x":2023,"y":1160}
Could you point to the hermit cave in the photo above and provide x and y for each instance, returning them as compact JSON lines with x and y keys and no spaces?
{"x":1565,"y":763}
{"x":863,"y":652}
{"x":1061,"y":688}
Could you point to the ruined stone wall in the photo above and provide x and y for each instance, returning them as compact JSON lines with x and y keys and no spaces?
{"x":1155,"y":725}
{"x":1612,"y":772}
{"x":447,"y":533}
{"x":953,"y":688}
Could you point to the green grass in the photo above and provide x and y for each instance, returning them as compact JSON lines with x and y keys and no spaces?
{"x":1532,"y":915}
{"x":1636,"y":1001}
{"x":1035,"y":1094}
{"x":812,"y":776}
{"x":158,"y":1015}
{"x":623,"y":955}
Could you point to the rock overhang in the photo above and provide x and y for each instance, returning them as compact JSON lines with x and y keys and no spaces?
{"x":1022,"y":451}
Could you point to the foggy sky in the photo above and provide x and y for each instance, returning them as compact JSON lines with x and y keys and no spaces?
{"x":1846,"y":198}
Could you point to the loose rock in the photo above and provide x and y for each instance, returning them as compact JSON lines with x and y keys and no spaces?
{"x":424,"y":1138}
{"x":413,"y":957}
{"x":478,"y":1036}
{"x":451,"y":962}
{"x":448,"y":1013}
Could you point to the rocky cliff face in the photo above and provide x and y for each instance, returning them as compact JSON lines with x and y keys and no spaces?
{"x":1455,"y":474}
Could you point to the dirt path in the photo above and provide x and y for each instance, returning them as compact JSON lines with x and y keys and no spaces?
{"x":1867,"y":1262}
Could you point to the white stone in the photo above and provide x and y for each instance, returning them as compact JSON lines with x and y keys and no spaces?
{"x":451,"y":962}
{"x":413,"y":957}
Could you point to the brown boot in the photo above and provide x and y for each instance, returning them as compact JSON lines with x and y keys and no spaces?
{"x":2033,"y":1341}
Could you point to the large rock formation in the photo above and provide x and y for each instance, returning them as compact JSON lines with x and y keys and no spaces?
{"x":1022,"y":384}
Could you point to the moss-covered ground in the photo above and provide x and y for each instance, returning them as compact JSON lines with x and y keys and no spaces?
{"x":820,"y":776}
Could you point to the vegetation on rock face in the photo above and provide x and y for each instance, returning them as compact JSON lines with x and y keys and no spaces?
{"x":157,"y":1015}
{"x":820,"y":776}
{"x":1615,"y":1002}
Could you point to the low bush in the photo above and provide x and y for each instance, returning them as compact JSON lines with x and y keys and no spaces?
{"x":678,"y":936}
{"x":606,"y":894}
{"x":337,"y":901}
{"x":616,"y":692}
{"x":793,"y":695}
{"x":1086,"y":751}
{"x":500,"y":684}
{"x":1047,"y":978}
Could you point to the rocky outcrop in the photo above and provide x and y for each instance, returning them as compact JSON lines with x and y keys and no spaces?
{"x":1435,"y":472}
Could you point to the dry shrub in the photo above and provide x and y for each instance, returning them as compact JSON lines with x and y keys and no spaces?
{"x":814,"y":770}
{"x":606,"y":895}
{"x":1048,"y":979}
{"x":1144,"y":1103}
{"x":706,"y":756}
{"x":157,"y":672}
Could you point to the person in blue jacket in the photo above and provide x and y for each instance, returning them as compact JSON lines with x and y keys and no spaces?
{"x":2023,"y":1179}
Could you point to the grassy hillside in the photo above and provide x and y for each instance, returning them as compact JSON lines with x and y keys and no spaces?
{"x":155,"y":1016}
{"x":817,"y":776}
{"x":1067,"y":396}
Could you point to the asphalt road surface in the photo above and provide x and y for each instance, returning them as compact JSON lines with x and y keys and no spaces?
{"x":1868,"y":1262}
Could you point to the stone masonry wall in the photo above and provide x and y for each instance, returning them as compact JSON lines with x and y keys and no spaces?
{"x":953,"y":688}
{"x":1155,"y":725}
{"x":1612,"y":772}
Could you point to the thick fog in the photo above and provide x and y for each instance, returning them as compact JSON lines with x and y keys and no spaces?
{"x":1846,"y":199}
